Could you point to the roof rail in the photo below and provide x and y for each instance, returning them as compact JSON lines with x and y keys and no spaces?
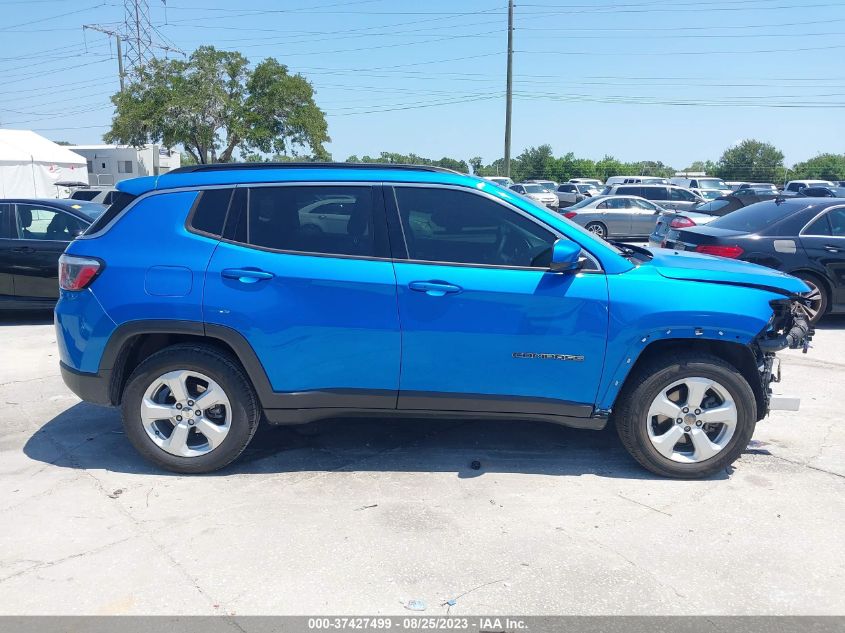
{"x":238,"y":166}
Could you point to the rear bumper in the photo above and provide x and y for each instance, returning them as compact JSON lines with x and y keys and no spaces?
{"x":89,"y":387}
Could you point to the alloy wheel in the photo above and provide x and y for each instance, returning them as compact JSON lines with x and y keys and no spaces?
{"x":691,"y":420}
{"x":814,"y":301}
{"x":186,"y":413}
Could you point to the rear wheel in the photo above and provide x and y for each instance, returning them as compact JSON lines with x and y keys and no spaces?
{"x":686,"y":417}
{"x":817,"y":297}
{"x":190,"y":409}
{"x":597,"y":228}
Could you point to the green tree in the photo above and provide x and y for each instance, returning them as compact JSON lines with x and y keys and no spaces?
{"x":213,"y":105}
{"x":753,"y":161}
{"x":821,"y":167}
{"x":706,"y":166}
{"x":534,"y":162}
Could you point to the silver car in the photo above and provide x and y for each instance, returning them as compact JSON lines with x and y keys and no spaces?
{"x":536,"y":192}
{"x":666,"y":196}
{"x":618,"y":217}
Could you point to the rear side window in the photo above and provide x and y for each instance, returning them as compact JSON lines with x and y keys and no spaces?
{"x":330,"y":220}
{"x":819,"y":227}
{"x":5,"y":221}
{"x":209,"y":214}
{"x":121,"y":201}
{"x":630,"y":191}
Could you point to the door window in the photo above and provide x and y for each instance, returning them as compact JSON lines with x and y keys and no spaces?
{"x":630,"y":191}
{"x":446,"y":225}
{"x":837,"y":222}
{"x":654,"y":193}
{"x":39,"y":223}
{"x":680,"y":195}
{"x":615,"y":203}
{"x":322,"y":219}
{"x":642,"y":204}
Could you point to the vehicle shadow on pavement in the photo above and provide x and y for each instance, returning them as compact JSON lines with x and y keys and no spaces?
{"x":86,"y":436}
{"x":26,"y":317}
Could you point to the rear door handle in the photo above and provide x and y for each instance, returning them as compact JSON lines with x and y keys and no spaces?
{"x":246,"y":275}
{"x":830,"y":248}
{"x":434,"y":288}
{"x":23,"y":249}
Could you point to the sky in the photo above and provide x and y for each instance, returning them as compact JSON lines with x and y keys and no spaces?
{"x":635,"y":79}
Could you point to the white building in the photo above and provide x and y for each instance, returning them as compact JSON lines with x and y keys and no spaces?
{"x":31,"y":165}
{"x":109,"y":164}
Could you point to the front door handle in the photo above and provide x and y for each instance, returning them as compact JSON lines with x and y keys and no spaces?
{"x":23,"y":249}
{"x":830,"y":248}
{"x":246,"y":275}
{"x":434,"y":288}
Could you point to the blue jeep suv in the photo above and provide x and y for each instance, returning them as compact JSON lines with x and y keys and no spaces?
{"x":212,"y":297}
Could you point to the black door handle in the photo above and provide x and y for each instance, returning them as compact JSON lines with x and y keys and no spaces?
{"x":23,"y":249}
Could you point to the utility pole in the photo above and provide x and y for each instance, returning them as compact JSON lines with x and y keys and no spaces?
{"x":117,"y":37}
{"x":137,"y":31}
{"x":509,"y":95}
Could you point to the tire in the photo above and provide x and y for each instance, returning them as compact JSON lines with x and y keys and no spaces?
{"x":597,"y":228}
{"x":816,"y":285}
{"x":641,"y":434}
{"x":230,"y":421}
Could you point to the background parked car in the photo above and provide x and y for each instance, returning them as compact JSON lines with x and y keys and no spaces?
{"x":588,"y":181}
{"x":100,"y":195}
{"x":33,"y":233}
{"x":569,"y":193}
{"x":536,"y":192}
{"x":502,"y":181}
{"x":795,"y":186}
{"x":801,"y":236}
{"x":763,"y":187}
{"x":551,"y":185}
{"x":823,"y":192}
{"x":703,"y":183}
{"x":634,"y":180}
{"x":666,"y":196}
{"x":705,"y":212}
{"x":619,"y":217}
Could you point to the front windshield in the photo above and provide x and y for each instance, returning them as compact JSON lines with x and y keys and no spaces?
{"x":712,"y":183}
{"x":532,"y":188}
{"x":587,"y":188}
{"x":92,"y":210}
{"x":710,"y":194}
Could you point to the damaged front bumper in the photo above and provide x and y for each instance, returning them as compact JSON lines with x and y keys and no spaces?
{"x":788,"y":328}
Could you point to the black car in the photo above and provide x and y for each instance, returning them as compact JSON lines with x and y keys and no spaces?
{"x":705,"y":212}
{"x":823,"y":192}
{"x":33,"y":233}
{"x":801,"y":236}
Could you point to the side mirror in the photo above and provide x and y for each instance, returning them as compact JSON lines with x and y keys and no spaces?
{"x":566,"y":256}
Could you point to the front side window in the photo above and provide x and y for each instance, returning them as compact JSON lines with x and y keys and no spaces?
{"x":837,"y":222}
{"x":38,"y":223}
{"x":630,"y":191}
{"x":654,"y":193}
{"x":446,"y":225}
{"x":681,"y":195}
{"x":331,"y":220}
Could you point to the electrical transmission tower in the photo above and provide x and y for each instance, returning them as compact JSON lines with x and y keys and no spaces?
{"x":140,"y":36}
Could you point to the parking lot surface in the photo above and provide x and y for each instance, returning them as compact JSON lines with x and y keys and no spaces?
{"x":361,"y":516}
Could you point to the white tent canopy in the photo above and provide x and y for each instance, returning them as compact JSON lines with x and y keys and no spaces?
{"x":30,"y":165}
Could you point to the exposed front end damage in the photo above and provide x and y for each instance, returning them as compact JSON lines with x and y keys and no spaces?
{"x":788,"y":328}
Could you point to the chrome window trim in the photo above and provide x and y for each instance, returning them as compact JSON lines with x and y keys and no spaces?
{"x":501,"y":202}
{"x":824,"y":211}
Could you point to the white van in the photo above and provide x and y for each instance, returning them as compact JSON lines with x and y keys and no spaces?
{"x":699,"y":184}
{"x":636,"y":180}
{"x":587,"y":181}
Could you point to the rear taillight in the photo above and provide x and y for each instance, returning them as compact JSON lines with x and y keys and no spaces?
{"x":681,"y":223}
{"x":731,"y":252}
{"x":77,"y":273}
{"x":570,"y":215}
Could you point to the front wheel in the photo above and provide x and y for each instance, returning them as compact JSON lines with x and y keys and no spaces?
{"x":687,"y":417}
{"x":189,"y":409}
